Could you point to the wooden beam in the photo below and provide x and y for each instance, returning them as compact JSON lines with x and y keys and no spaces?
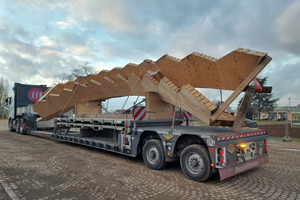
{"x":238,"y":122}
{"x":241,"y":87}
{"x":157,"y":109}
{"x":88,"y":108}
{"x":265,"y":89}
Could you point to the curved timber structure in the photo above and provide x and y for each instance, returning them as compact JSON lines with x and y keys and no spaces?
{"x":166,"y":82}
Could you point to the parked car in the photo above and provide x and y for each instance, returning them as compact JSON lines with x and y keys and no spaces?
{"x":251,"y":123}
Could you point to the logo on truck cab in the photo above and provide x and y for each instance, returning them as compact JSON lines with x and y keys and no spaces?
{"x":35,"y":94}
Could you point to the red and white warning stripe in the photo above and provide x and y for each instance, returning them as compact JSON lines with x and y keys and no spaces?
{"x":187,"y":115}
{"x":240,"y":135}
{"x":139,"y":113}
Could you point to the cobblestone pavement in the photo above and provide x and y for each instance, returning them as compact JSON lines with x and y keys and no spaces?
{"x":38,"y":168}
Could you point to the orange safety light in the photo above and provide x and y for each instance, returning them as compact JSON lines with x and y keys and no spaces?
{"x":242,"y":146}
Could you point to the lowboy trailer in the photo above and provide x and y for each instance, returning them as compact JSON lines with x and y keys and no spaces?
{"x":202,"y":150}
{"x":155,"y":131}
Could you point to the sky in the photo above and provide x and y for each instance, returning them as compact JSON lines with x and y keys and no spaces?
{"x":41,"y":38}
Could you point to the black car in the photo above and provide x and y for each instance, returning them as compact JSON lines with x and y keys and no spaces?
{"x":251,"y":123}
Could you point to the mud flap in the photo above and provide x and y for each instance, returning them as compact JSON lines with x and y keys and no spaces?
{"x":242,"y":167}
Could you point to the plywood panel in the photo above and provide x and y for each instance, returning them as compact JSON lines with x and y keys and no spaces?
{"x":135,"y":85}
{"x":55,"y":105}
{"x":88,"y":108}
{"x":157,"y":109}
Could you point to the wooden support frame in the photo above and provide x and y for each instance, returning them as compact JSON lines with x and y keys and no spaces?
{"x":88,"y":108}
{"x":238,"y":122}
{"x":157,"y":109}
{"x":233,"y":71}
{"x":241,"y":87}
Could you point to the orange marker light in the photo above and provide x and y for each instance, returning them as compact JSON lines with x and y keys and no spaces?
{"x":243,"y":146}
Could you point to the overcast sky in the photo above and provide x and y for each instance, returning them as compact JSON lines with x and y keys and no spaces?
{"x":41,"y":38}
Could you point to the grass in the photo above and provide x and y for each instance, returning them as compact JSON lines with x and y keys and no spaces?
{"x":262,"y":122}
{"x":270,"y":122}
{"x":280,"y":138}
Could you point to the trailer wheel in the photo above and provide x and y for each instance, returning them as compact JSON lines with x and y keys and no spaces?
{"x":11,"y":126}
{"x":18,"y":125}
{"x":153,"y":154}
{"x":195,"y":162}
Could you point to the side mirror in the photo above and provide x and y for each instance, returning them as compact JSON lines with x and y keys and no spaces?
{"x":7,"y":102}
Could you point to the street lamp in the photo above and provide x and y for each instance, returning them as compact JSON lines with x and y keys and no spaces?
{"x":286,"y":137}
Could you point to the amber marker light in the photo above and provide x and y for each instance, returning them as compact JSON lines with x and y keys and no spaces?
{"x":242,"y":146}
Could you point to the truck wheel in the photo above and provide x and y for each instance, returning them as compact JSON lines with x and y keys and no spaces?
{"x":22,"y":131}
{"x":153,"y":154}
{"x":11,"y":126}
{"x":18,"y":125}
{"x":195,"y":162}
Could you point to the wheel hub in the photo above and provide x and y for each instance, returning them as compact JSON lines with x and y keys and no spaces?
{"x":152,"y":155}
{"x":195,"y":163}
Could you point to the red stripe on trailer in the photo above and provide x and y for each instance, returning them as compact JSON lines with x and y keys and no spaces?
{"x":139,"y":113}
{"x":240,"y":135}
{"x":187,"y":115}
{"x":143,"y":116}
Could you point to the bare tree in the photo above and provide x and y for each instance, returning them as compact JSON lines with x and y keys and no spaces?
{"x":3,"y":95}
{"x":83,"y":69}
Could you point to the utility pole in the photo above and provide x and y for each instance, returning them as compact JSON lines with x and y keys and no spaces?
{"x":286,"y":137}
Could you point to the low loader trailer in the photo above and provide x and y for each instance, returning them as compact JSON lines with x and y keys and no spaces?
{"x":202,"y":150}
{"x":157,"y":130}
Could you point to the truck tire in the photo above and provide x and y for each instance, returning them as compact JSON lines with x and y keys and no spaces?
{"x":153,"y":154}
{"x":11,"y":126}
{"x":22,"y":131}
{"x":195,"y":162}
{"x":18,"y":125}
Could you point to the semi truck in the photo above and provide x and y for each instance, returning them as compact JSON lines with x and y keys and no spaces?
{"x":152,"y":131}
{"x":21,"y":116}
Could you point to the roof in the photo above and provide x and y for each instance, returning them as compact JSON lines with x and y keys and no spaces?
{"x":295,"y":110}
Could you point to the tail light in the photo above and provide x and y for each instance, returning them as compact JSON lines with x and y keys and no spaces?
{"x":24,"y":126}
{"x":221,"y":157}
{"x":220,"y":151}
{"x":266,"y":145}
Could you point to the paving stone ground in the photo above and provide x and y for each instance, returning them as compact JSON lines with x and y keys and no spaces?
{"x":38,"y":168}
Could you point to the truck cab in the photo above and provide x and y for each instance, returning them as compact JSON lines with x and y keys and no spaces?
{"x":22,"y":117}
